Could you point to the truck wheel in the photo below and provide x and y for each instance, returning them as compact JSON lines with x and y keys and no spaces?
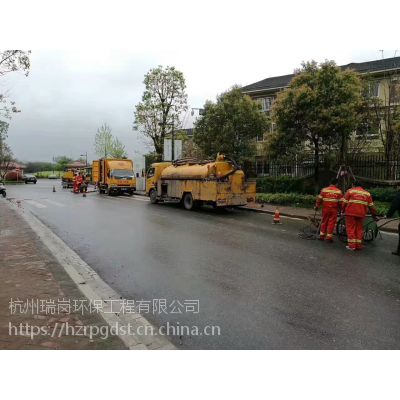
{"x":188,"y":201}
{"x":153,"y":197}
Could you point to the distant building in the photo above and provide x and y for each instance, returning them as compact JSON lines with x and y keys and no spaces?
{"x":12,"y":171}
{"x":187,"y":127}
{"x":379,"y":71}
{"x":189,"y":120}
{"x":76,"y":165}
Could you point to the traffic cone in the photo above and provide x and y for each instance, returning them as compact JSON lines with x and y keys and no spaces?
{"x":277,"y":217}
{"x":54,"y":188}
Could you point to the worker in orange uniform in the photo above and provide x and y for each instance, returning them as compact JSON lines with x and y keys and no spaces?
{"x":330,"y":198}
{"x":356,"y":204}
{"x":77,"y":182}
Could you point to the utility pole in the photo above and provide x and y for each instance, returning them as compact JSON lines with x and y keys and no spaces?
{"x":85,"y":157}
{"x":173,"y":139}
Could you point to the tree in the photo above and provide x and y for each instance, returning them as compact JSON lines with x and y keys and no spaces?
{"x":230,"y":126}
{"x":62,"y":162}
{"x":163,"y":101}
{"x":103,"y":141}
{"x":6,"y":155}
{"x":108,"y":146}
{"x":11,"y":61}
{"x":118,"y":149}
{"x":37,"y":166}
{"x":319,"y":110}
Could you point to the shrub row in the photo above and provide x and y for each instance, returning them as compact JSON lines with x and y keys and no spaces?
{"x":287,"y":199}
{"x":383,"y":194}
{"x":284,"y":184}
{"x":305,"y":200}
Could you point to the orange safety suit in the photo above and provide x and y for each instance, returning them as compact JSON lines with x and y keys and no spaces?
{"x":77,"y":183}
{"x":330,"y":198}
{"x":356,"y":204}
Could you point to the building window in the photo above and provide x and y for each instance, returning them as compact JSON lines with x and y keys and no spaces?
{"x":260,"y":138}
{"x":265,"y":102}
{"x":395,"y":91}
{"x":373,"y":89}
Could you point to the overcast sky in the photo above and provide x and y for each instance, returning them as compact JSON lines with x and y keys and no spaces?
{"x":107,"y":47}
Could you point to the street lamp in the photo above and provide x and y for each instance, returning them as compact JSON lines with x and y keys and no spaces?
{"x":84,"y":155}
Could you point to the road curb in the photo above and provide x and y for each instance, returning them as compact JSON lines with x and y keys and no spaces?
{"x":94,"y":288}
{"x":283,"y":214}
{"x":303,"y":217}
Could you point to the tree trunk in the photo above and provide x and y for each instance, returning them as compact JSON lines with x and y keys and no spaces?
{"x":388,"y":148}
{"x":316,"y":164}
{"x":343,"y":149}
{"x":159,"y":148}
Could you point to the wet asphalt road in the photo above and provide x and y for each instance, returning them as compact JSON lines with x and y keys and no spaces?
{"x":261,"y":284}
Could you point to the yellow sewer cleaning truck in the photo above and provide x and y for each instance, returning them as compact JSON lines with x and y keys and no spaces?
{"x":220,"y":183}
{"x":112,"y":176}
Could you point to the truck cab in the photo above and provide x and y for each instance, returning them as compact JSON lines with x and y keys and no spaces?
{"x":114,"y":176}
{"x":152,"y":177}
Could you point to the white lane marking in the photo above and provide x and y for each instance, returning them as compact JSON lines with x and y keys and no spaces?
{"x":54,"y":203}
{"x":140,"y":198}
{"x":295,"y":218}
{"x":36,"y":204}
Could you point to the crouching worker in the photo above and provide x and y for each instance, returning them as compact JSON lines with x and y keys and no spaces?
{"x":78,"y":180}
{"x":356,"y":203}
{"x":330,"y":199}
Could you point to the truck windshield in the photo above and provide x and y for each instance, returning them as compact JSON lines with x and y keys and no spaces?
{"x":122,"y":173}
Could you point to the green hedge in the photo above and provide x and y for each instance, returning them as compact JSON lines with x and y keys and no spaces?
{"x":284,"y":184}
{"x":305,"y":201}
{"x":287,"y":199}
{"x":383,"y":194}
{"x":382,"y":208}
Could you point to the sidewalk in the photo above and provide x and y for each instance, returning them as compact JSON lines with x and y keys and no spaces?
{"x":303,"y":213}
{"x":32,"y":277}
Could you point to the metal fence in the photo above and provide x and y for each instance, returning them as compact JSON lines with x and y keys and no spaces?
{"x":375,"y":166}
{"x":370,"y":166}
{"x":296,"y":168}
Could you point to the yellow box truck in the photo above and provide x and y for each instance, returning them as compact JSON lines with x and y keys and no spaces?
{"x":220,"y":183}
{"x":112,"y":176}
